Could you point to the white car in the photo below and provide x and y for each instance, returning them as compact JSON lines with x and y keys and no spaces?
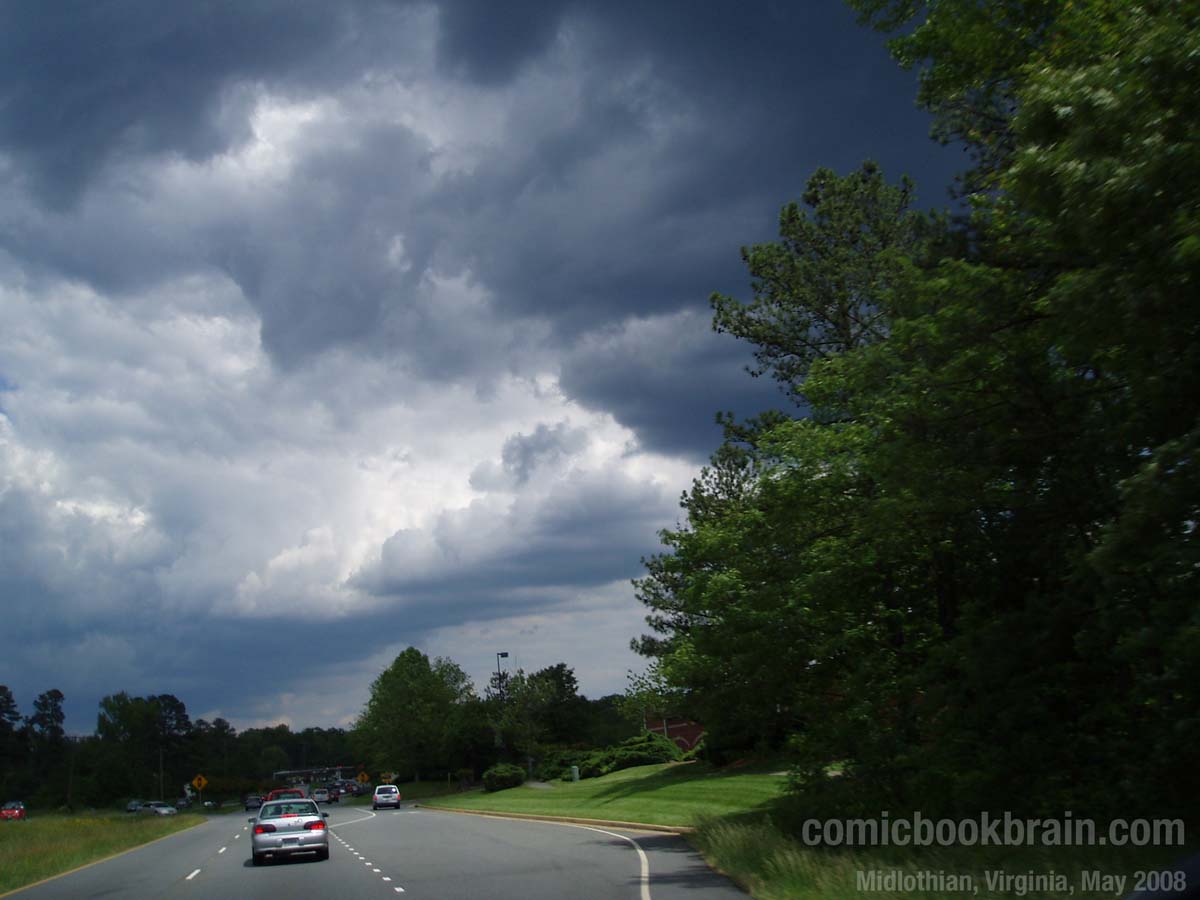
{"x":285,"y":827}
{"x":386,"y":795}
{"x":321,"y":795}
{"x":158,"y":808}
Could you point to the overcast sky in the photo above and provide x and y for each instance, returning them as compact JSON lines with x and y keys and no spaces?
{"x":335,"y":327}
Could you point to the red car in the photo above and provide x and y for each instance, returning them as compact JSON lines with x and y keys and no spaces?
{"x":286,"y":794}
{"x":13,"y":809}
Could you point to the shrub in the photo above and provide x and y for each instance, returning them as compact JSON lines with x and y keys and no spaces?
{"x":645,"y":749}
{"x":503,"y":775}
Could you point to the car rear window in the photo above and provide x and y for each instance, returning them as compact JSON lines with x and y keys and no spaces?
{"x":292,"y":808}
{"x":386,"y":790}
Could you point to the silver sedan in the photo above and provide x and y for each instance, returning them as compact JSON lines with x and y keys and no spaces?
{"x":284,"y":827}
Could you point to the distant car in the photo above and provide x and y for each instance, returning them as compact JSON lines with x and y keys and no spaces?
{"x":293,"y":793}
{"x":284,"y":827}
{"x":158,"y":808}
{"x":133,"y":806}
{"x":253,"y":801}
{"x":335,"y":795}
{"x":183,"y":803}
{"x":386,"y":795}
{"x":320,"y":795}
{"x":14,"y":810}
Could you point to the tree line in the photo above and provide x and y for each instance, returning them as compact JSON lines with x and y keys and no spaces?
{"x":146,"y":748}
{"x":965,"y":557}
{"x":423,"y":720}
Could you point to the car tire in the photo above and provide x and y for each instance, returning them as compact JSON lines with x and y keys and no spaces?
{"x":323,"y":854}
{"x":255,"y":859}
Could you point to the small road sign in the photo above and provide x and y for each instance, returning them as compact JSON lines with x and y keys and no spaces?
{"x":199,"y":782}
{"x":363,"y":777}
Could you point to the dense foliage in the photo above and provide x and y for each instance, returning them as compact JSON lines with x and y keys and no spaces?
{"x":146,"y":748}
{"x":423,"y":719}
{"x":968,"y":557}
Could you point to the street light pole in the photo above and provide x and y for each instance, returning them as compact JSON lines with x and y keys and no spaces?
{"x":499,"y":677}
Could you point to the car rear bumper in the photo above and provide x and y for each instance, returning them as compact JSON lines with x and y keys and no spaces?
{"x":272,"y":845}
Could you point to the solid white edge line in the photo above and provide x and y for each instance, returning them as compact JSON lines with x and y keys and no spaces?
{"x":636,"y":846}
{"x":193,"y":875}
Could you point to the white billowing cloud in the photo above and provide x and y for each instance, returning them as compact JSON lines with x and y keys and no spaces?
{"x":159,"y":470}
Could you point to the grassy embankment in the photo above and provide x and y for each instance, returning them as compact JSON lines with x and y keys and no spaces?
{"x":731,"y":810}
{"x":659,"y":795}
{"x":47,"y":845}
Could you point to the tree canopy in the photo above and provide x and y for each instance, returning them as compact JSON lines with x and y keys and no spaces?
{"x":969,"y":559}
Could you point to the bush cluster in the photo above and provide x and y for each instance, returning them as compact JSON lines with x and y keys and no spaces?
{"x":503,"y":775}
{"x":644,"y":749}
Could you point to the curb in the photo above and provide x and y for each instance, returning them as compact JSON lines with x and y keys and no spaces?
{"x":567,"y":820}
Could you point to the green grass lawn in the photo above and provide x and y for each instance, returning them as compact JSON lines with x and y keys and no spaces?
{"x":47,"y":845}
{"x":672,"y":794}
{"x":732,"y":810}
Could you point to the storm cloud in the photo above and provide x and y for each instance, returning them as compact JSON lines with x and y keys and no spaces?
{"x":382,"y":323}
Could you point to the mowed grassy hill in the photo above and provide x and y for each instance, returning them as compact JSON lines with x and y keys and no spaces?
{"x":670,"y":794}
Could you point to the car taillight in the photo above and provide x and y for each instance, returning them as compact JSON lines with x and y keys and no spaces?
{"x":315,"y":826}
{"x":263,"y":829}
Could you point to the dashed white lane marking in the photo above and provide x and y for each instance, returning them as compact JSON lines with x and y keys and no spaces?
{"x":377,"y":871}
{"x":386,"y":878}
{"x":398,"y":890}
{"x":222,"y":850}
{"x":193,"y":875}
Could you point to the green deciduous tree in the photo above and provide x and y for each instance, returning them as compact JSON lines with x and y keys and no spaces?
{"x":406,"y":724}
{"x":973,"y":562}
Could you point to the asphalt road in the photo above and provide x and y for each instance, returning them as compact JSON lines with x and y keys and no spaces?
{"x":415,"y":853}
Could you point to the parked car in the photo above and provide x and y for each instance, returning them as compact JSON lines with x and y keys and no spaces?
{"x":386,"y":795}
{"x":183,"y":803}
{"x":14,"y":810}
{"x":133,"y":806}
{"x":284,"y":827}
{"x":253,"y":801}
{"x":158,"y":808}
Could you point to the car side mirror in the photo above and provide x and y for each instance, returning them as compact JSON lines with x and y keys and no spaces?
{"x":325,"y":815}
{"x":251,"y":819}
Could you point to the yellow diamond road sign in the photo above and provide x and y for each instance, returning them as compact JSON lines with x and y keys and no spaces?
{"x":199,"y":782}
{"x":363,"y":777}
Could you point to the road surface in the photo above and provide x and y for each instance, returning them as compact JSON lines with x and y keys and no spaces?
{"x":410,"y":853}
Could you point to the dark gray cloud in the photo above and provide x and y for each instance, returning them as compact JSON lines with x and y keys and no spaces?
{"x":367,"y":311}
{"x":666,"y":378}
{"x":85,"y":81}
{"x":585,"y":530}
{"x":488,"y":42}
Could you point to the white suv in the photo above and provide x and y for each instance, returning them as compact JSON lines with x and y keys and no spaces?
{"x":386,"y":795}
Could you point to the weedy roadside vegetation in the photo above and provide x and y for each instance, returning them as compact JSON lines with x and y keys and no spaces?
{"x":771,"y":865}
{"x":47,"y":845}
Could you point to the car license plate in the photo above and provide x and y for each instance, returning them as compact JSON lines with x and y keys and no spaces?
{"x":290,"y":841}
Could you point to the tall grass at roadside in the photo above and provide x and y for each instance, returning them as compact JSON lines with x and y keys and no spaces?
{"x":773,"y":866}
{"x":49,"y":845}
